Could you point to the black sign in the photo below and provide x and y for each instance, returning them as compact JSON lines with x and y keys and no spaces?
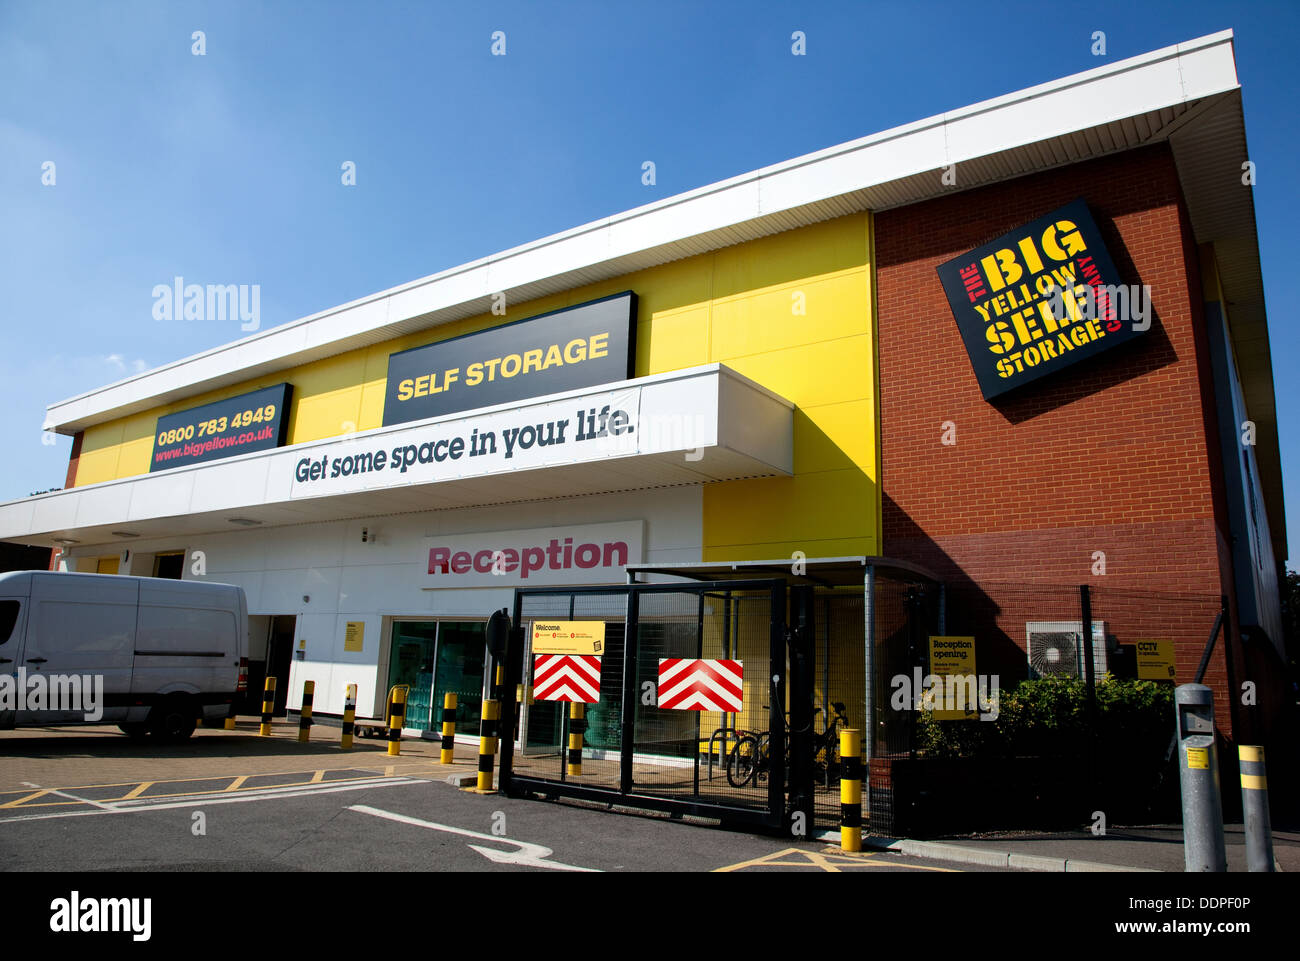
{"x":593,"y":343}
{"x":224,"y":428}
{"x":1039,"y":299}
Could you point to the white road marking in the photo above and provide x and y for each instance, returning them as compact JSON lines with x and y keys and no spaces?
{"x":83,"y":800}
{"x":215,"y":797}
{"x":528,"y":854}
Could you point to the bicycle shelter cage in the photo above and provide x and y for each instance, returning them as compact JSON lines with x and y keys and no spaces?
{"x":811,"y":642}
{"x":637,"y":753}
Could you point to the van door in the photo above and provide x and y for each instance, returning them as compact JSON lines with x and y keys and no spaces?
{"x":81,"y":636}
{"x":13,"y":624}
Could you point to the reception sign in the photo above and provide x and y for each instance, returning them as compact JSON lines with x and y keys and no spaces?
{"x":1037,"y":300}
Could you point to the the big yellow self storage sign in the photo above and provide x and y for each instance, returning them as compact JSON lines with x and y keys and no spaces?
{"x":1038,"y":299}
{"x":583,"y":346}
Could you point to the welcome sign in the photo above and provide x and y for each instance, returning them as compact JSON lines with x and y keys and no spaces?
{"x":1036,"y":300}
{"x":593,"y":343}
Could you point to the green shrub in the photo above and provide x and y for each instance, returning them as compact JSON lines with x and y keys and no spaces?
{"x":1049,"y":718}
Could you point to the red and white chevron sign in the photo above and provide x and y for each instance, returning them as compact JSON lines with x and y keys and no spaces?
{"x":687,"y":684}
{"x":566,"y":677}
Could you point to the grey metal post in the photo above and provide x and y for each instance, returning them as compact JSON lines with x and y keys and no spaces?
{"x":1198,"y":772}
{"x":1254,"y":807}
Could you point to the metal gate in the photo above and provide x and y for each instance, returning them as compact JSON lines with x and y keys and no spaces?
{"x":637,"y":753}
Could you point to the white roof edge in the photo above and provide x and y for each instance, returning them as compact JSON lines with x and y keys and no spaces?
{"x":283,"y":346}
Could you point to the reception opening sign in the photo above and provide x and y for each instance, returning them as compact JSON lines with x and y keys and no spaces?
{"x":1037,"y":300}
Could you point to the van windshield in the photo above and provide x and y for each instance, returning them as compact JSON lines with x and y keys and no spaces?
{"x":8,"y":618}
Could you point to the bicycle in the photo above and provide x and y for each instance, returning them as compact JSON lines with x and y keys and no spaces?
{"x":750,"y":760}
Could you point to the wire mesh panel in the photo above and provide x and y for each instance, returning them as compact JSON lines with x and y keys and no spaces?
{"x":682,"y":751}
{"x":839,"y":688}
{"x":686,"y":696}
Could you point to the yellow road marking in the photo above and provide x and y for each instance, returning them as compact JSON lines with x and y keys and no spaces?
{"x":831,"y":860}
{"x":21,"y":800}
{"x":139,"y":787}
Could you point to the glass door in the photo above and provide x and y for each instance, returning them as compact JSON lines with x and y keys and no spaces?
{"x":411,"y":661}
{"x":462,"y":657}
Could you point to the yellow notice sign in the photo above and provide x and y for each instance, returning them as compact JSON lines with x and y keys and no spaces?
{"x":354,"y":637}
{"x":1156,"y":660}
{"x":569,"y":637}
{"x":1198,"y":758}
{"x":952,"y":660}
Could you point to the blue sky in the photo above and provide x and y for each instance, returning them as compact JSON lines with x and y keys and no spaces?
{"x":225,"y":168}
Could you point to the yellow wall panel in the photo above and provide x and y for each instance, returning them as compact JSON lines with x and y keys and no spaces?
{"x":672,"y":341}
{"x":821,"y":506}
{"x":825,"y":373}
{"x":733,"y":306}
{"x":834,"y":437}
{"x":766,"y":320}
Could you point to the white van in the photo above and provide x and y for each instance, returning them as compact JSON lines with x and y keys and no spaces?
{"x":163,"y":653}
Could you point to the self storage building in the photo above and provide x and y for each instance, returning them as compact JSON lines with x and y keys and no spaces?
{"x":895,"y":347}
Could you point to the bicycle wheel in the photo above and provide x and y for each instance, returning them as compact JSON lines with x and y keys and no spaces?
{"x":742,"y":761}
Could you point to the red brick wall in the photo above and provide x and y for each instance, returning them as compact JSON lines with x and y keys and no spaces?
{"x":1116,"y":454}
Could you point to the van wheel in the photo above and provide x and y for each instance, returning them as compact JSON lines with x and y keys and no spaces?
{"x":136,"y":732}
{"x":173,"y":720}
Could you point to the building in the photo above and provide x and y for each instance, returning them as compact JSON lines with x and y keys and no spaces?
{"x":850,"y":354}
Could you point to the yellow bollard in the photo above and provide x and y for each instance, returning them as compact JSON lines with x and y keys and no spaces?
{"x":396,"y":718}
{"x":268,"y":707}
{"x":487,"y":745}
{"x":304,"y":719}
{"x":851,"y":790}
{"x":349,"y":717}
{"x":577,"y":724}
{"x":229,"y":723}
{"x":448,"y":728}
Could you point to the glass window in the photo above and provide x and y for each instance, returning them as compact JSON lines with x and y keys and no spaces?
{"x":8,"y":618}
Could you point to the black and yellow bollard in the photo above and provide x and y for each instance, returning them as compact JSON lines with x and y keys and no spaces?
{"x":448,"y":728}
{"x":268,"y":707}
{"x":349,"y":717}
{"x":487,"y":745}
{"x":577,"y":725}
{"x":396,"y":718}
{"x":1254,"y":807}
{"x":230,"y":719}
{"x":304,"y":718}
{"x":850,"y":790}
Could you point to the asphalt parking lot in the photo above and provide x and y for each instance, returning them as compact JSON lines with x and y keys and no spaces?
{"x":89,"y":799}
